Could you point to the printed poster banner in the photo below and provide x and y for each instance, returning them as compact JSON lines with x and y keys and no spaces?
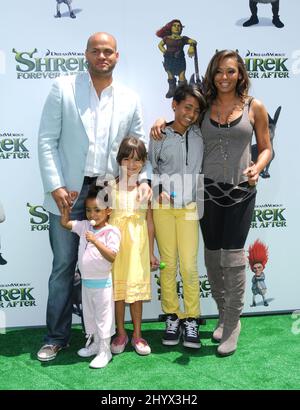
{"x":48,"y":40}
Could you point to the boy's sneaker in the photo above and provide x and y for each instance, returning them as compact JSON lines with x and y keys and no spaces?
{"x":190,"y":333}
{"x":173,"y":331}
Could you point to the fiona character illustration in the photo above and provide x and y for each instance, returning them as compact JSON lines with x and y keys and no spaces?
{"x":172,"y":47}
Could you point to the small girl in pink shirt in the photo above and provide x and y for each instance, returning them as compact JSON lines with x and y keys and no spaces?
{"x":98,"y":246}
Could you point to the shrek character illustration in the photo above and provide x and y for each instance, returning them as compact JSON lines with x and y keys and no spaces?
{"x":172,"y":47}
{"x":68,"y":3}
{"x":2,"y":219}
{"x":258,"y":258}
{"x":254,"y":19}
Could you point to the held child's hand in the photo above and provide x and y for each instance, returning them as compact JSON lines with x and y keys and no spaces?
{"x":165,"y":199}
{"x":73,"y":195}
{"x":144,"y":193}
{"x":65,"y":213}
{"x":65,"y":218}
{"x":90,"y":237}
{"x":154,"y":262}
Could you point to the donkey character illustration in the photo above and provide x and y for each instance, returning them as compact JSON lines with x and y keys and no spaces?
{"x":68,"y":3}
{"x":254,"y":151}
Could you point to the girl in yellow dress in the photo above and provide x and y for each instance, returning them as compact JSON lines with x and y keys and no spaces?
{"x":131,"y":269}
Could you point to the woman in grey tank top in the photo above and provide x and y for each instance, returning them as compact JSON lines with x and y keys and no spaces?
{"x":230,"y":180}
{"x":230,"y":185}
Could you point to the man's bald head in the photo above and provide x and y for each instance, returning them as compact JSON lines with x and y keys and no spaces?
{"x":101,"y":55}
{"x":100,"y":37}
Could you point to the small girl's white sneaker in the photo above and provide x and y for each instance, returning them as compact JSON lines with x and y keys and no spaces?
{"x":91,"y":347}
{"x":104,"y":355}
{"x":101,"y":360}
{"x":89,"y":351}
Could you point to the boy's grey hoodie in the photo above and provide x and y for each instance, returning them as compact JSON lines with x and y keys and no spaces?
{"x":177,"y":161}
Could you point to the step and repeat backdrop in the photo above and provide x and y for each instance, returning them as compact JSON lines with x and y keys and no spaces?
{"x":46,"y":39}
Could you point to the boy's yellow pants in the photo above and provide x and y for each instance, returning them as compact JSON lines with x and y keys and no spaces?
{"x":177,"y":235}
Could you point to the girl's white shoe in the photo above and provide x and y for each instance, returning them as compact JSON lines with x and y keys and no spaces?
{"x":104,"y":355}
{"x":101,"y":360}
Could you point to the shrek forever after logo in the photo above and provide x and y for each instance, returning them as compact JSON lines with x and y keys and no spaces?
{"x":13,"y":146}
{"x":30,"y":65}
{"x":39,"y":218}
{"x":17,"y":295}
{"x":267,"y":65}
{"x":269,"y":216}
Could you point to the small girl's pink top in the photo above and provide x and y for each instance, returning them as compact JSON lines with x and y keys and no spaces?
{"x":91,"y":263}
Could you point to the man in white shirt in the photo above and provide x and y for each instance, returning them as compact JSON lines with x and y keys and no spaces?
{"x":84,"y":119}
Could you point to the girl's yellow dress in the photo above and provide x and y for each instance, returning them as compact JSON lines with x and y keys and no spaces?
{"x":131,"y":269}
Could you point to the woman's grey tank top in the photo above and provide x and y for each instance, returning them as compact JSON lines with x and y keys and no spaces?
{"x":227,"y":148}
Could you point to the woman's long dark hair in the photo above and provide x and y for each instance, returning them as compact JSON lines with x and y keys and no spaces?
{"x":243,"y":83}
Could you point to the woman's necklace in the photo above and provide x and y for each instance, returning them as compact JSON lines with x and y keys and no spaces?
{"x":225,"y":116}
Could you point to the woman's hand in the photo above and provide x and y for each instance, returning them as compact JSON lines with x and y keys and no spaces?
{"x":157,"y":127}
{"x":252,"y":173}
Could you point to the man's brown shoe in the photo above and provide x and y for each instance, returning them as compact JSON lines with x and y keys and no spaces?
{"x":48,"y":352}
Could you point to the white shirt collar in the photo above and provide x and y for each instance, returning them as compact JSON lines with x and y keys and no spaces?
{"x":106,"y":90}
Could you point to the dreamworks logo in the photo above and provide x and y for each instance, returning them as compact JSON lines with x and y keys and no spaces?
{"x":296,"y":323}
{"x":39,"y":218}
